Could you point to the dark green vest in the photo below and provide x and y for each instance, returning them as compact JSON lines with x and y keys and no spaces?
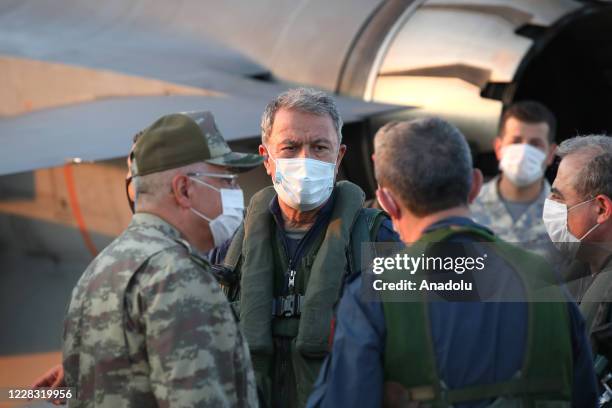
{"x":411,"y":377}
{"x":290,"y":349}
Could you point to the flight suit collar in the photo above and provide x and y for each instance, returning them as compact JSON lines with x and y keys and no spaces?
{"x":275,"y":210}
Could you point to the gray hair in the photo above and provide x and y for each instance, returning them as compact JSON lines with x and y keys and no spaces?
{"x":595,"y":177}
{"x":427,"y":162}
{"x":154,"y":186}
{"x":304,"y":100}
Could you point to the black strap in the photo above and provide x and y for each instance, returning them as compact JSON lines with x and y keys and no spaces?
{"x":287,"y":306}
{"x":511,"y":388}
{"x":366,"y":227}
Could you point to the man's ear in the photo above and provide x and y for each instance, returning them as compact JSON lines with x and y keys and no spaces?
{"x":604,"y":211}
{"x":388,"y":203}
{"x":181,"y":191}
{"x":264,"y":153}
{"x":477,"y":179}
{"x":550,"y":155}
{"x":341,"y":153}
{"x":497,"y":147}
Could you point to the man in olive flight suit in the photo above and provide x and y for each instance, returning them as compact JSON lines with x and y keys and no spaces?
{"x":300,"y":239}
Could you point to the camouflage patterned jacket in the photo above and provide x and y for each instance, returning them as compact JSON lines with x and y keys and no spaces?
{"x":148,"y":326}
{"x":528,"y":231}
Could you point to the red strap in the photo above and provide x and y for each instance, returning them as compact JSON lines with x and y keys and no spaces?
{"x":332,"y":331}
{"x":76,"y":209}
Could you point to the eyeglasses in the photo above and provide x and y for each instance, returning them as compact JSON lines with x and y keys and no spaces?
{"x":232,"y":178}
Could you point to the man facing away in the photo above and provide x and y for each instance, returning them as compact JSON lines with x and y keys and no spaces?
{"x":427,"y":351}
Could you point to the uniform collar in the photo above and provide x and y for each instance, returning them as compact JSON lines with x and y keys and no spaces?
{"x":150,"y":221}
{"x":490,"y":191}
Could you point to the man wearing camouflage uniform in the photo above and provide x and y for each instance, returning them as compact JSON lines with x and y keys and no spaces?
{"x":148,"y":324}
{"x":511,"y":204}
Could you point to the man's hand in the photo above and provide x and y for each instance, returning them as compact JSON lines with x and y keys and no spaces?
{"x":53,"y":378}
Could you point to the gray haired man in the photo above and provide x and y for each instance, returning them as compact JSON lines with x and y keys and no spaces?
{"x":578,"y":218}
{"x":300,"y":238}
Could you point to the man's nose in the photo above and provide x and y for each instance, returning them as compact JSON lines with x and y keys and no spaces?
{"x":304,"y":152}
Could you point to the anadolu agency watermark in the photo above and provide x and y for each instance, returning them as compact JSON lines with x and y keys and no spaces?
{"x":422,"y":263}
{"x":451,"y":271}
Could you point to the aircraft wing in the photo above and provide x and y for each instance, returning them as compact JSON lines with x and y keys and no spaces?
{"x":215,"y":51}
{"x":103,"y":129}
{"x":176,"y":41}
{"x":143,"y":38}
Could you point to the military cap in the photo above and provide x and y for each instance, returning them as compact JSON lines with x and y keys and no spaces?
{"x":180,"y":139}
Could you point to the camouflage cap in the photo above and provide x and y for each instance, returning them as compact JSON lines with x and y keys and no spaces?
{"x":180,"y":139}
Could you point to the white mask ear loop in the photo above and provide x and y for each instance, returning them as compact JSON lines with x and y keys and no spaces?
{"x":207,"y":185}
{"x":221,"y":192}
{"x":200,"y":214}
{"x":579,"y":204}
{"x":589,"y":231}
{"x":594,"y":226}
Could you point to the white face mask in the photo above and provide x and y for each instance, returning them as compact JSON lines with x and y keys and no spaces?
{"x":555,"y":220}
{"x":522,"y":164}
{"x":303,"y":184}
{"x":225,"y":224}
